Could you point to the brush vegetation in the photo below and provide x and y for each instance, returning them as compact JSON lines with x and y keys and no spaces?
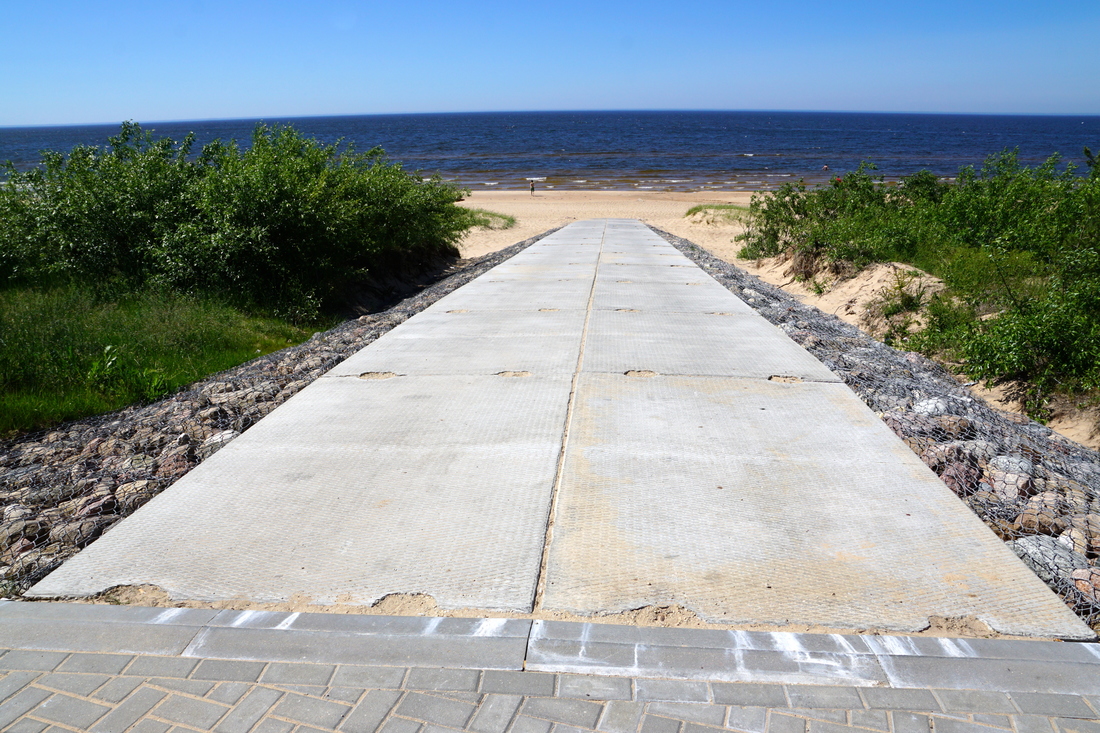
{"x":1018,"y":248}
{"x":130,"y":269}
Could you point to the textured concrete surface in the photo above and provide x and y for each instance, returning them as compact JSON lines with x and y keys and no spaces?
{"x":252,"y":671}
{"x":708,"y":462}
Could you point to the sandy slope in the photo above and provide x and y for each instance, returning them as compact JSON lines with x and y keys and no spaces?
{"x":665,"y":210}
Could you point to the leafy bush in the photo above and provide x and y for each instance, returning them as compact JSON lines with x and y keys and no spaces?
{"x":287,"y":225}
{"x":1018,"y":245}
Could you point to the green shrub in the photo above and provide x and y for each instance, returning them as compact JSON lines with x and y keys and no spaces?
{"x":288,"y":225}
{"x":1017,"y":245}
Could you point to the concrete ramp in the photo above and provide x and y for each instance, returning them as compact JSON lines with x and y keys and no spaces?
{"x":602,"y":392}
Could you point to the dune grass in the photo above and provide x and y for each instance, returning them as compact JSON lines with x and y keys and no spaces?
{"x":719,"y":213}
{"x":485,"y":219}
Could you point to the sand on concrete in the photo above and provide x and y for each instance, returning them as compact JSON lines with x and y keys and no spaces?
{"x":847,"y":299}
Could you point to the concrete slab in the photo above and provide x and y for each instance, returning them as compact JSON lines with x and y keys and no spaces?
{"x":353,"y":490}
{"x":696,"y":344}
{"x":657,"y":299}
{"x":752,"y":501}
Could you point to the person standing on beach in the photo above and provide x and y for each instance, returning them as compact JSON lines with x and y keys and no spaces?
{"x":532,"y":187}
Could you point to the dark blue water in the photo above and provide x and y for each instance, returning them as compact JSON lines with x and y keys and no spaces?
{"x":643,"y":150}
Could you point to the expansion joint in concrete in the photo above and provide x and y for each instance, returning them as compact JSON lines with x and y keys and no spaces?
{"x":540,"y":585}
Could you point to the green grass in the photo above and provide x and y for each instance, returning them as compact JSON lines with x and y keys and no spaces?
{"x":66,"y":353}
{"x":485,"y":219}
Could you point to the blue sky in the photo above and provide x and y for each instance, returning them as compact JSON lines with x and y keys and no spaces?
{"x":88,"y":61}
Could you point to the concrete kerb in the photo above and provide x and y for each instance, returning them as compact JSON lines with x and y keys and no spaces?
{"x":41,"y":631}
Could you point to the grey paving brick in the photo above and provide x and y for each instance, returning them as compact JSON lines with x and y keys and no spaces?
{"x":1000,"y":721}
{"x":433,"y":709}
{"x":889,"y":698}
{"x":778,"y":723}
{"x":371,"y":711}
{"x":814,"y":696}
{"x":400,"y":725}
{"x":594,"y":687}
{"x":974,"y":701}
{"x":188,"y":711}
{"x":78,"y":684}
{"x":228,"y":671}
{"x":71,"y":711}
{"x":348,"y":675}
{"x":495,"y":713}
{"x":311,"y":711}
{"x":422,"y":678}
{"x":350,"y":695}
{"x":438,"y":729}
{"x":563,"y":728}
{"x":748,"y":718}
{"x":749,"y":694}
{"x":116,"y":690}
{"x":621,"y":716}
{"x":470,"y":697}
{"x":700,"y":728}
{"x":32,"y":661}
{"x":270,"y":725}
{"x":875,"y":719}
{"x":696,"y":712}
{"x":671,"y":690}
{"x":129,"y":712}
{"x":102,"y":663}
{"x":523,"y":724}
{"x":910,"y":722}
{"x":950,"y":725}
{"x":657,"y":724}
{"x":27,"y":725}
{"x":1045,"y":703}
{"x":517,"y":683}
{"x":288,"y":673}
{"x":825,"y":726}
{"x":1032,"y":724}
{"x":13,"y":682}
{"x":831,"y":716}
{"x":229,"y":692}
{"x":249,"y":710}
{"x":21,"y":703}
{"x":581,"y":713}
{"x":161,"y":667}
{"x":198,"y":688}
{"x":151,"y":726}
{"x":1072,"y":725}
{"x":312,"y":690}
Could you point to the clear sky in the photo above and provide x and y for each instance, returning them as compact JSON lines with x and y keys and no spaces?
{"x":88,"y":61}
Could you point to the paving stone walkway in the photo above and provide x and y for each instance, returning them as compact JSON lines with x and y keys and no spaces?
{"x":106,"y":668}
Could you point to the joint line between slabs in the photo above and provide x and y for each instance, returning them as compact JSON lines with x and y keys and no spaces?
{"x":540,"y":585}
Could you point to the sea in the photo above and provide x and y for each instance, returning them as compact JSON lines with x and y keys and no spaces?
{"x":644,"y":151}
